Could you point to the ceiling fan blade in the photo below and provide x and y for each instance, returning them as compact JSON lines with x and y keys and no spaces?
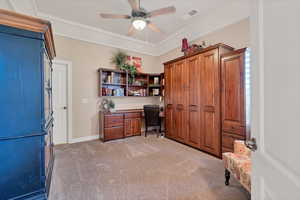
{"x":131,"y":31}
{"x":153,"y":27}
{"x":114,"y":16}
{"x":162,"y":11}
{"x":135,"y":4}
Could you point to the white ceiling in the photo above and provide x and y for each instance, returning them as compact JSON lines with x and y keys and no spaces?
{"x":79,"y":19}
{"x":87,"y":12}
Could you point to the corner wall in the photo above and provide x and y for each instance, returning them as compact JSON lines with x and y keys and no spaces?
{"x":87,"y":58}
{"x":236,"y":35}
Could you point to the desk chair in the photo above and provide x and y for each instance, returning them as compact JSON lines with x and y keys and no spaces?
{"x":152,"y":118}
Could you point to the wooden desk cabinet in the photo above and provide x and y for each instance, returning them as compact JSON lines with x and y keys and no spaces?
{"x":132,"y":123}
{"x":120,"y":124}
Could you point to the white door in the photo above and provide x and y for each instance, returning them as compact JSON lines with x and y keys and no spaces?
{"x":275,"y":31}
{"x":60,"y":134}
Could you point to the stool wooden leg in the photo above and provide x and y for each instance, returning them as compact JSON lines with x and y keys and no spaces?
{"x":227,"y":177}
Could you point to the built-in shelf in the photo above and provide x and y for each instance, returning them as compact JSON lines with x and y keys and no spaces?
{"x":155,"y":86}
{"x":116,"y":83}
{"x":137,"y":86}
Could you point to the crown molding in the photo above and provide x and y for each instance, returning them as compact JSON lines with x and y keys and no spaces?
{"x":28,"y":7}
{"x":199,"y":26}
{"x":91,"y":34}
{"x":25,"y":22}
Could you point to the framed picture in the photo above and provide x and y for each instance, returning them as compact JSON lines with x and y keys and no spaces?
{"x":135,"y":61}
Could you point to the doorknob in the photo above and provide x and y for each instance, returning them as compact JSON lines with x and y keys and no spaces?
{"x":251,"y":144}
{"x":65,"y":107}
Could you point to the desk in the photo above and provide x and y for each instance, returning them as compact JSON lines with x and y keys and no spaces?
{"x":121,"y":123}
{"x":161,"y":113}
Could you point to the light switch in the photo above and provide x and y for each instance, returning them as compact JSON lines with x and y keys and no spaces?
{"x":84,"y":100}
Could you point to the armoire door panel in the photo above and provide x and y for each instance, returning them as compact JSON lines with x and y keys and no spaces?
{"x":169,"y":120}
{"x":168,"y":84}
{"x":194,"y":117}
{"x":181,"y":122}
{"x":181,"y":89}
{"x":210,"y":102}
{"x":232,"y":90}
{"x":169,"y":100}
{"x":209,"y":71}
{"x":233,"y":100}
{"x":210,"y":132}
{"x":194,"y":130}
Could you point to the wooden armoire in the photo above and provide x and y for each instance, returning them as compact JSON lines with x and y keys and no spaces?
{"x":193,"y":99}
{"x":26,"y":121}
{"x":233,"y":97}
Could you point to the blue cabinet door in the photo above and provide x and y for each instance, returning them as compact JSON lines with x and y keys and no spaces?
{"x":22,"y":142}
{"x":20,"y":86}
{"x":20,"y":169}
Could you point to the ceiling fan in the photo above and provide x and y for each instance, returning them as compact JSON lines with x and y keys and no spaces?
{"x":140,"y":18}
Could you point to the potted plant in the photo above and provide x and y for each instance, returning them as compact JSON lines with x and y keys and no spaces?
{"x":120,"y":60}
{"x":111,"y":106}
{"x":108,"y":105}
{"x":131,"y":70}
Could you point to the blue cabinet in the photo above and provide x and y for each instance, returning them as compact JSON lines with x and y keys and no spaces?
{"x":26,"y":120}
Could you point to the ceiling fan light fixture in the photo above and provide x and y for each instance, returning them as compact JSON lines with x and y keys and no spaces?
{"x":139,"y":24}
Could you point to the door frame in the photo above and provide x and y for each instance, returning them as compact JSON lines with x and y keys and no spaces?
{"x":69,"y":97}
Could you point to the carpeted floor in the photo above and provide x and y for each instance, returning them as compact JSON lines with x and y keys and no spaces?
{"x":139,"y":168}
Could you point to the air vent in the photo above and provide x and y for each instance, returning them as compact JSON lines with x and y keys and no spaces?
{"x":193,"y":12}
{"x":190,"y":14}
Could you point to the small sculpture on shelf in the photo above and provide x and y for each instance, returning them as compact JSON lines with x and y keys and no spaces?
{"x":190,"y":49}
{"x":107,"y":105}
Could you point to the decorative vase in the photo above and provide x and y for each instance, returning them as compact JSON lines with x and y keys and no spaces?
{"x":185,"y":45}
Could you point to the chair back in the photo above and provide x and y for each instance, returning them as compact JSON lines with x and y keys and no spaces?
{"x":152,"y":115}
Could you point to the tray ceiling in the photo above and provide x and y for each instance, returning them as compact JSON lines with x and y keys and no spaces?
{"x":79,"y":19}
{"x":87,"y":12}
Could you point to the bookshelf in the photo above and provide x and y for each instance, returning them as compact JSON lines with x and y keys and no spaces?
{"x":116,"y":83}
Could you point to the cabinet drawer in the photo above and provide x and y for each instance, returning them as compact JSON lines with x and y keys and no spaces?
{"x":113,"y":133}
{"x":228,"y":140}
{"x":234,"y":128}
{"x":224,"y":150}
{"x":132,"y":115}
{"x":113,"y":120}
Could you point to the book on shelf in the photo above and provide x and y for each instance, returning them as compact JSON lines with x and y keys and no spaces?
{"x":113,"y":92}
{"x":139,"y":92}
{"x":155,"y":92}
{"x":156,"y":81}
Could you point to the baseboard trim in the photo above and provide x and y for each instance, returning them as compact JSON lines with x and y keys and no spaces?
{"x":84,"y":139}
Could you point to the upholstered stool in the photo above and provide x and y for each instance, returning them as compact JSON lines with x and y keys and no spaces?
{"x":238,"y":163}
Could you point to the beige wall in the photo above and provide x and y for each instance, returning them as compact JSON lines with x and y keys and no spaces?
{"x":236,"y":35}
{"x":87,"y":57}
